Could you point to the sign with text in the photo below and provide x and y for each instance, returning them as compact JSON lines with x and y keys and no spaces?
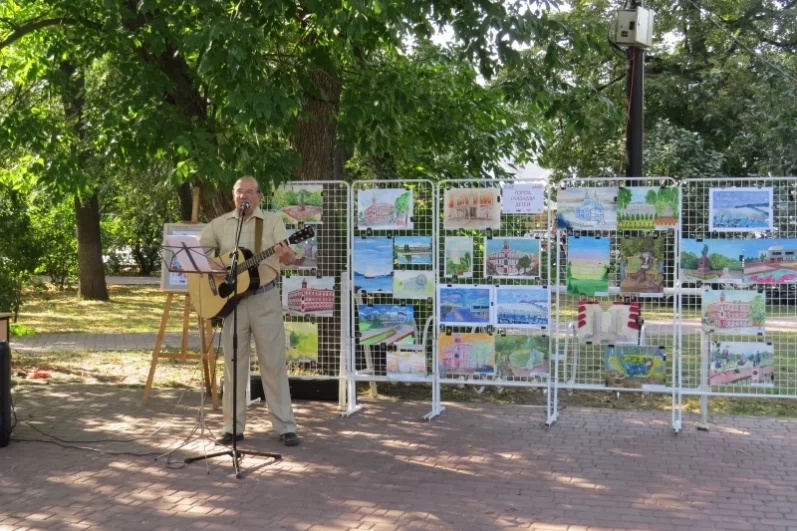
{"x":523,"y":198}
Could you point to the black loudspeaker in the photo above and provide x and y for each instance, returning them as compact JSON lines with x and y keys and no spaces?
{"x":320,"y":390}
{"x":5,"y":393}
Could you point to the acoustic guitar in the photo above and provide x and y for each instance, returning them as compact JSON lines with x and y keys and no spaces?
{"x":213,"y":297}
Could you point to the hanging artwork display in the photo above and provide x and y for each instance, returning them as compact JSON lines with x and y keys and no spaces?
{"x":459,"y":256}
{"x":306,"y":253}
{"x":642,"y":265}
{"x":386,"y":324}
{"x":373,"y":264}
{"x":712,"y":260}
{"x":627,"y":366}
{"x":619,"y":323}
{"x":466,"y":354}
{"x":740,"y":209}
{"x":472,"y":208}
{"x":739,"y":362}
{"x":301,"y":342}
{"x":413,"y":284}
{"x":412,"y":250}
{"x":465,"y":305}
{"x":588,"y":266}
{"x":648,"y":208}
{"x":734,"y":312}
{"x":512,"y":258}
{"x":587,"y":208}
{"x":406,"y":365}
{"x":770,"y":261}
{"x":522,"y":356}
{"x":299,"y":203}
{"x":384,"y":208}
{"x":522,"y":306}
{"x":308,"y":295}
{"x":523,"y":198}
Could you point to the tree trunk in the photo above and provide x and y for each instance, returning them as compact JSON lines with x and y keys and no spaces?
{"x":91,"y":273}
{"x":186,"y":197}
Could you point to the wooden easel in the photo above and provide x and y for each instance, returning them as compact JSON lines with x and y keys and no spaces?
{"x":207,"y":353}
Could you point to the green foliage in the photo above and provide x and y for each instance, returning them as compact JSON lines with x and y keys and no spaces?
{"x":720,"y":262}
{"x":689,"y":260}
{"x":54,"y":227}
{"x":19,"y":251}
{"x":758,"y":310}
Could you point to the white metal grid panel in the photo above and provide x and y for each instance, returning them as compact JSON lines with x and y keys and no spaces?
{"x":738,"y":331}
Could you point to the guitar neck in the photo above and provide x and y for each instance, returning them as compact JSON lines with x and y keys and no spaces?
{"x":256,"y":259}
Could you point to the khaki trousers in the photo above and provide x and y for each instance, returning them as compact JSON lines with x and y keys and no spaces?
{"x":261,"y":315}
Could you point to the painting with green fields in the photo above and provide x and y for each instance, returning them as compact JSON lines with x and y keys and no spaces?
{"x":647,"y":208}
{"x":386,"y":324}
{"x":301,"y":341}
{"x":587,"y":266}
{"x":631,"y":366}
{"x":522,"y":356}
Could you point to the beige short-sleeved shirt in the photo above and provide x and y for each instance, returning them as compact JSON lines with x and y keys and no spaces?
{"x":220,"y":233}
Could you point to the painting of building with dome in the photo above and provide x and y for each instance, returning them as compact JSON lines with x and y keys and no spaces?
{"x":587,"y":208}
{"x":647,"y":208}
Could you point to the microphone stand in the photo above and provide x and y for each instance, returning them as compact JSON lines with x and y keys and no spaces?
{"x":232,"y":280}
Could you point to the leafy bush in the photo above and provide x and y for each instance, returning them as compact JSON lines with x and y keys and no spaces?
{"x":54,"y":226}
{"x":19,"y":251}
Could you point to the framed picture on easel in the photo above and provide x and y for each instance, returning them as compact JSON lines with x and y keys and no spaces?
{"x":172,"y":281}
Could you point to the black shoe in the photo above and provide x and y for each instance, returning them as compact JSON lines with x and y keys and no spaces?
{"x":227,"y":438}
{"x":289,"y":439}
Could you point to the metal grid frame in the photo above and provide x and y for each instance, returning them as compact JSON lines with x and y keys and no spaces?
{"x":512,"y":226}
{"x":697,"y":339}
{"x":582,"y":363}
{"x":369,"y":361}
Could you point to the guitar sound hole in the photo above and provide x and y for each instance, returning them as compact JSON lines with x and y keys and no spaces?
{"x":225,"y":290}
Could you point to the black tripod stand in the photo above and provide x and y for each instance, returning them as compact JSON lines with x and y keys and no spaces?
{"x":232,"y":281}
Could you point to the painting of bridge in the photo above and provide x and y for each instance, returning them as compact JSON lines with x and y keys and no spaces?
{"x":740,"y":209}
{"x":412,"y":250}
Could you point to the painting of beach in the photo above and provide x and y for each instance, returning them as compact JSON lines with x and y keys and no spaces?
{"x":299,"y":203}
{"x":384,"y":208}
{"x":740,"y":209}
{"x":770,"y":261}
{"x":465,"y":305}
{"x":587,"y":266}
{"x":412,"y":250}
{"x":587,"y":208}
{"x":740,"y":362}
{"x":522,"y":306}
{"x":386,"y":324}
{"x":373,"y":264}
{"x":712,"y":260}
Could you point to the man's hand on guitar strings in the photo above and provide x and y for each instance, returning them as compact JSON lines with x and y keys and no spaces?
{"x":285,"y":254}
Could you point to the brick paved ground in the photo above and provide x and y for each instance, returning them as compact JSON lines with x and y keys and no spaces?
{"x":476,"y":467}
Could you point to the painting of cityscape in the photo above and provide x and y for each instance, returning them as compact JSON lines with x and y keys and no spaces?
{"x":412,"y":250}
{"x":587,"y":266}
{"x":299,"y":203}
{"x":522,"y":306}
{"x":384,"y":208}
{"x":308,"y":295}
{"x":522,"y":356}
{"x":742,"y":362}
{"x":373,"y":264}
{"x":738,"y":312}
{"x":386,"y":324}
{"x":306,"y":253}
{"x":406,"y":365}
{"x":635,"y":366}
{"x":740,"y":209}
{"x":472,"y":208}
{"x":642,"y":262}
{"x":647,"y":208}
{"x":301,"y":341}
{"x":770,"y":261}
{"x":459,"y":256}
{"x":619,"y":323}
{"x":512,"y":258}
{"x":466,"y":354}
{"x":413,"y":284}
{"x":712,"y":260}
{"x":587,"y":208}
{"x":465,"y":305}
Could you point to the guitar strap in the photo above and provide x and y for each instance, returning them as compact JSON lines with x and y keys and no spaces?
{"x":258,"y":234}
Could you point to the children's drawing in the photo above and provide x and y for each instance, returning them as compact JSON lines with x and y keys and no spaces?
{"x":741,"y":362}
{"x":412,"y":250}
{"x":642,"y":266}
{"x":512,"y":258}
{"x":587,"y":208}
{"x":459,"y":256}
{"x":770,"y":261}
{"x":522,"y":306}
{"x":373,"y":264}
{"x":301,"y":341}
{"x":406,"y":365}
{"x":712,"y":261}
{"x":472,"y":208}
{"x":635,"y":366}
{"x":465,"y":305}
{"x":386,"y":324}
{"x":306,"y":253}
{"x":466,"y":354}
{"x":299,"y":203}
{"x":522,"y":356}
{"x":734,"y":312}
{"x":413,"y":284}
{"x":308,"y":295}
{"x":587,"y":266}
{"x":740,"y":209}
{"x":647,"y":208}
{"x":619,"y":323}
{"x":384,"y":208}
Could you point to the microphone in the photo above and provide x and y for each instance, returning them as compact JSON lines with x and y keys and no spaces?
{"x":244,"y":206}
